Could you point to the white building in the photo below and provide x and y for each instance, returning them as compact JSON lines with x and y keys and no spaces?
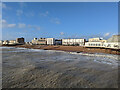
{"x":94,"y":44}
{"x":79,"y":42}
{"x":112,"y":42}
{"x":50,"y":41}
{"x":115,"y":45}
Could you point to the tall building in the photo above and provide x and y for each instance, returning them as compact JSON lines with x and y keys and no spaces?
{"x":20,"y":40}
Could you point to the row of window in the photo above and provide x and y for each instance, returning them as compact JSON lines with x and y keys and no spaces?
{"x":95,"y":45}
{"x":72,"y":43}
{"x":103,"y":45}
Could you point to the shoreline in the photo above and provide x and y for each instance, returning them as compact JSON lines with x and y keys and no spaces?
{"x":76,"y":49}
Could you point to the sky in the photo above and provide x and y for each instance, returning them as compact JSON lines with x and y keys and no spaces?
{"x":59,"y":20}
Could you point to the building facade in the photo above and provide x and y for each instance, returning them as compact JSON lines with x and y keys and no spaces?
{"x":20,"y":41}
{"x":6,"y":42}
{"x":94,"y":44}
{"x":112,"y":42}
{"x":50,"y":41}
{"x":97,"y":40}
{"x":41,"y":41}
{"x":12,"y":42}
{"x":115,"y":45}
{"x":94,"y":39}
{"x":80,"y":42}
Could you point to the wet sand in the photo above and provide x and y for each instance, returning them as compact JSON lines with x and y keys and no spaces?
{"x":51,"y":69}
{"x":72,"y":49}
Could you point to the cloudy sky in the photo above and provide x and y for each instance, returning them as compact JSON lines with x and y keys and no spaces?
{"x":59,"y":20}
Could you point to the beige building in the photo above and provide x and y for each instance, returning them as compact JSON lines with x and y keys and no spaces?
{"x":94,"y":44}
{"x":94,"y":39}
{"x":79,"y":42}
{"x":41,"y":41}
{"x":6,"y":42}
{"x":104,"y":41}
{"x":28,"y":43}
{"x":12,"y":42}
{"x":97,"y":40}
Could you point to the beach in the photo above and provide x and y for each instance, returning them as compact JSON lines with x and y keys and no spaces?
{"x":37,"y":68}
{"x":71,"y":48}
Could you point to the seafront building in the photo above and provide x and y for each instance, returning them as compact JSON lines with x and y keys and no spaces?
{"x":18,"y":41}
{"x":112,"y":42}
{"x":78,"y":42}
{"x":41,"y":41}
{"x":6,"y":42}
{"x":12,"y":42}
{"x":50,"y":41}
{"x":95,"y":42}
